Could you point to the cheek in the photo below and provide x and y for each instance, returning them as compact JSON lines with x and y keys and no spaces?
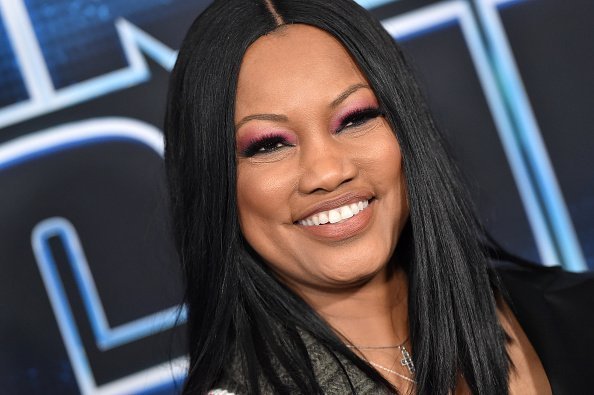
{"x":393,"y":173}
{"x":392,"y":170}
{"x":381,"y":159}
{"x":382,"y":164}
{"x":396,"y":181}
{"x":262,"y":198}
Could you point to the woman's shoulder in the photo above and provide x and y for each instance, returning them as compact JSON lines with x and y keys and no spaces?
{"x":546,"y":277}
{"x":544,"y":294}
{"x":555,"y":309}
{"x":531,"y":286}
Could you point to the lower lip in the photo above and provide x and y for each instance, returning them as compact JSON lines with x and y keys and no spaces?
{"x":344,"y":229}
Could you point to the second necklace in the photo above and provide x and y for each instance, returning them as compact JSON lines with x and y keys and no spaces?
{"x":406,"y":360}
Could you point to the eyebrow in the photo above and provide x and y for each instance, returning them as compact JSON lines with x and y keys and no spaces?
{"x":283,"y":118}
{"x":262,"y":117}
{"x":349,"y":91}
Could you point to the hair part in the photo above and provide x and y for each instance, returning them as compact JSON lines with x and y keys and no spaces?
{"x":277,"y":18}
{"x":238,"y":310}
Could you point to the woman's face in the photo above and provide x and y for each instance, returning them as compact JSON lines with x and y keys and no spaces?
{"x":320,"y":187}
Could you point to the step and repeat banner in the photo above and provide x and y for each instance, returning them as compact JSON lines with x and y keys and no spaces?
{"x":89,"y":283}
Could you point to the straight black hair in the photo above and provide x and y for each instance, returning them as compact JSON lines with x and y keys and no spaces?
{"x":238,"y":310}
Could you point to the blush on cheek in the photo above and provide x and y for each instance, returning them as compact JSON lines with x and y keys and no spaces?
{"x":249,"y":136}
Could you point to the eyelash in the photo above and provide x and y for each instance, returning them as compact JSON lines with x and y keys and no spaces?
{"x":265,"y":145}
{"x":359,"y":117}
{"x":269,"y":144}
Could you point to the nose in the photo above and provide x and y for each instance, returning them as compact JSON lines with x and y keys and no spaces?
{"x":326,"y":166}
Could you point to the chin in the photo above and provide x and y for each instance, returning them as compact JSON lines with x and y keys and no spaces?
{"x":355,"y":273}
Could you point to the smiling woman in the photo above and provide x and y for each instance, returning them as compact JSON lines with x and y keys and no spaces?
{"x":327,"y":243}
{"x":320,"y":188}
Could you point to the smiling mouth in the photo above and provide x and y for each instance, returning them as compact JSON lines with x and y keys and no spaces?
{"x":335,"y":215}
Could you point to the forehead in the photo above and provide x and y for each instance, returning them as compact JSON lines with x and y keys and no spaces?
{"x":294,"y":64}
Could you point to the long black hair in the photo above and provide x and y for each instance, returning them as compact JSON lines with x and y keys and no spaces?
{"x":238,"y":310}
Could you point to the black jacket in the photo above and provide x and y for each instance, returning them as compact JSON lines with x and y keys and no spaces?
{"x":556,"y":310}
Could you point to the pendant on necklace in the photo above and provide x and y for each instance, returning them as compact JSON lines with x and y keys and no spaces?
{"x":406,"y":360}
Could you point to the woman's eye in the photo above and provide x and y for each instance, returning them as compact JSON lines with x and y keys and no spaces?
{"x":359,"y":118}
{"x":265,"y":146}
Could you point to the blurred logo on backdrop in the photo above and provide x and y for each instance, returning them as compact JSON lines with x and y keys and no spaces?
{"x":113,"y":330}
{"x":87,"y":258}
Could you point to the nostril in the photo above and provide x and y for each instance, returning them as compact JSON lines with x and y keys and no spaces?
{"x":326,"y":166}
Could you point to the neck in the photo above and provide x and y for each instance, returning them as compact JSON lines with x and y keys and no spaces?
{"x":371,"y":314}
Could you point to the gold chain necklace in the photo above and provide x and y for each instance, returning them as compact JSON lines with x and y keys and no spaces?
{"x":377,"y":365}
{"x":406,"y":360}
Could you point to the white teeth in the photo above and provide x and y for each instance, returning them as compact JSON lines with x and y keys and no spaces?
{"x":335,"y":215}
{"x":345,"y":212}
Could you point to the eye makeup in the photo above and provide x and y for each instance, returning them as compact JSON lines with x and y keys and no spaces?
{"x":356,"y":113}
{"x":263,"y":143}
{"x":358,"y":117}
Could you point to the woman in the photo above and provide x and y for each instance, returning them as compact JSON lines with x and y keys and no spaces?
{"x":327,"y":244}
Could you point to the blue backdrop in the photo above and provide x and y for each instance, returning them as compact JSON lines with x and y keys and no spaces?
{"x":89,"y":285}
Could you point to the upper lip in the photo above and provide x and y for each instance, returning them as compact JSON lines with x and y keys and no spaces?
{"x":326,"y":205}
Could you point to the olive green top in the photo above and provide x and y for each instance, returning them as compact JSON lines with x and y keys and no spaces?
{"x":329,"y":373}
